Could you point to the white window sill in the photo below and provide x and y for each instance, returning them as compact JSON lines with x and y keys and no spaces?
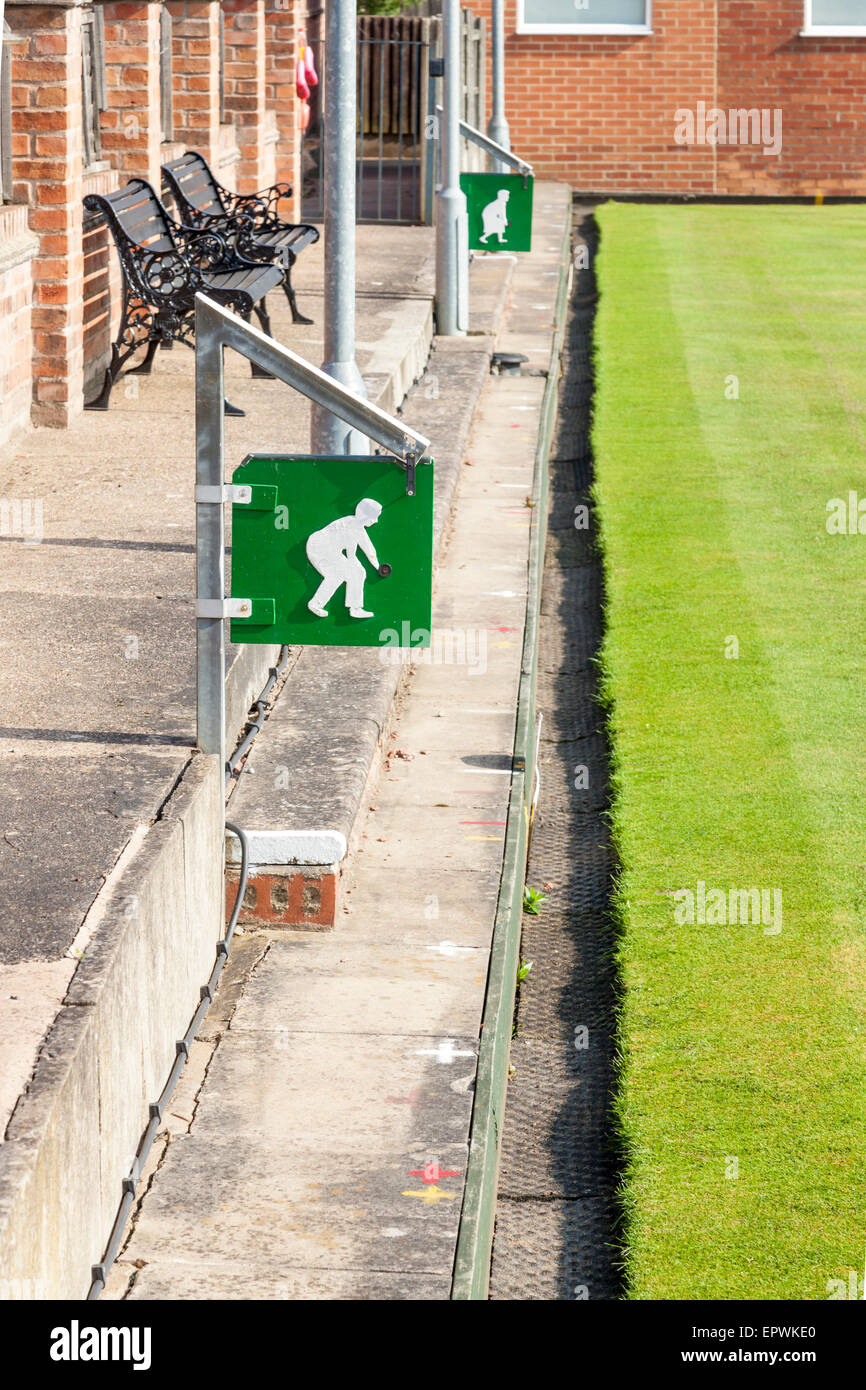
{"x":835,"y":31}
{"x":636,"y":30}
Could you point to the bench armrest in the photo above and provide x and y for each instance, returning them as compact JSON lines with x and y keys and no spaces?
{"x":249,"y":206}
{"x":261,"y":206}
{"x":222,"y":222}
{"x":209,"y":250}
{"x":276,"y":191}
{"x":165,"y":274}
{"x":273,"y":195}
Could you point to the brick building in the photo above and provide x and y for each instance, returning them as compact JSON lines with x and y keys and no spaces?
{"x":594,"y":88}
{"x":92,"y":94}
{"x":696,"y":97}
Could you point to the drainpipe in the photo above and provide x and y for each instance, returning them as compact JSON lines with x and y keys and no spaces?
{"x":452,"y":231}
{"x":329,"y":434}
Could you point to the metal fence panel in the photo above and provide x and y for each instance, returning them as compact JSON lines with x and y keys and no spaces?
{"x":396,"y":166}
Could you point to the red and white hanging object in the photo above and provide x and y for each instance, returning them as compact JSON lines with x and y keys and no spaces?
{"x":305,"y":77}
{"x":301,"y":81}
{"x":309,"y":65}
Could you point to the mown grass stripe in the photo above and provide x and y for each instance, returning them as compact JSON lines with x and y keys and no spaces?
{"x":743,"y":1050}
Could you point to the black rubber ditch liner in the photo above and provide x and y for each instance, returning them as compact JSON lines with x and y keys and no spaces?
{"x":558,"y":1173}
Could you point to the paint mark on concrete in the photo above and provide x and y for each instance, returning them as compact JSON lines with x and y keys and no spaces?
{"x":445,"y":1052}
{"x":431,"y":1196}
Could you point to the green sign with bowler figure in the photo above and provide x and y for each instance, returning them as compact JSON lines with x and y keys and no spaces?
{"x":333,"y":552}
{"x":499,"y":207}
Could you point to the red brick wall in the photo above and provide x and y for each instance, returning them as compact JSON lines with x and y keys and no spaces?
{"x":131,"y":127}
{"x":598,"y":111}
{"x":47,"y":176}
{"x":195,"y":46}
{"x":17,"y":248}
{"x":245,"y":87}
{"x":820,"y":87}
{"x":283,"y":21}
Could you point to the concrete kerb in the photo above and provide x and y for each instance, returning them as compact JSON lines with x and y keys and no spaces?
{"x":73,"y":1133}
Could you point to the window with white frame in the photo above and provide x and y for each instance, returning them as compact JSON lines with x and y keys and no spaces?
{"x":166,"y":95}
{"x":826,"y":18}
{"x":584,"y":16}
{"x":93,"y":99}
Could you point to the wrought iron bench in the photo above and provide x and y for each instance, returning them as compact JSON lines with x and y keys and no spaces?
{"x":164,"y":264}
{"x":249,"y":219}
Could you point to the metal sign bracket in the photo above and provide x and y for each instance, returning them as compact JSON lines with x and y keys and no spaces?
{"x":469,"y":132}
{"x":223,"y":607}
{"x":229,"y":492}
{"x":217,"y":328}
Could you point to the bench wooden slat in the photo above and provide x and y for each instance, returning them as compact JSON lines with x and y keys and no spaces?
{"x":143,"y":227}
{"x":296,"y":238}
{"x":196,"y":180}
{"x":241,"y":279}
{"x":126,"y":198}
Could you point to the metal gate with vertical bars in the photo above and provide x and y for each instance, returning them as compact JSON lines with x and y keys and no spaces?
{"x":395,"y":165}
{"x":393,"y":103}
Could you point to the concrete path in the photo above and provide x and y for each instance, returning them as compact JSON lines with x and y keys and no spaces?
{"x":316,"y":1145}
{"x":97,"y":652}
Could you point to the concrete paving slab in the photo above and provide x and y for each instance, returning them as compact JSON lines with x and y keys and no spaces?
{"x":435,"y":678}
{"x":279,"y":1281}
{"x":129,"y":641}
{"x":351,"y":953}
{"x":95,"y":567}
{"x":331,"y":1003}
{"x":404,"y":830}
{"x":396,"y":905}
{"x":65,"y":822}
{"x":332,"y":1210}
{"x":362,"y":987}
{"x":449,"y":780}
{"x":325,"y":1085}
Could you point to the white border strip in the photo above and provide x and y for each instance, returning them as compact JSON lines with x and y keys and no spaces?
{"x":811,"y":30}
{"x":525,"y":26}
